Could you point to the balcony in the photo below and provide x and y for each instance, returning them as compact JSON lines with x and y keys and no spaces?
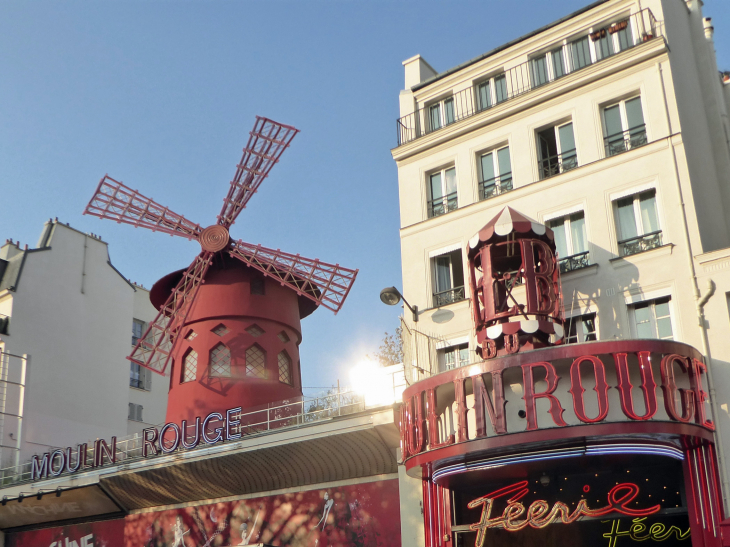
{"x":442,"y":205}
{"x":495,"y":186}
{"x":528,"y":76}
{"x":625,"y":141}
{"x":559,"y":163}
{"x":639,"y":244}
{"x":574,"y":262}
{"x":448,"y":296}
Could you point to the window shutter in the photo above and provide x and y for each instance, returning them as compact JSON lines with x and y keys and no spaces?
{"x":147,"y":379}
{"x":139,"y":413}
{"x":130,"y":414}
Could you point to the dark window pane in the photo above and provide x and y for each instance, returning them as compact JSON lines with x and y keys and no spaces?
{"x":558,"y":66}
{"x":500,"y":88}
{"x":580,"y":53}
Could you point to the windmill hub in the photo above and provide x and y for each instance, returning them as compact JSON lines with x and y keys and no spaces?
{"x":214,"y":238}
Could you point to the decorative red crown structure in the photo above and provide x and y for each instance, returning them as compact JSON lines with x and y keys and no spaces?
{"x":236,"y":310}
{"x":515,"y":285}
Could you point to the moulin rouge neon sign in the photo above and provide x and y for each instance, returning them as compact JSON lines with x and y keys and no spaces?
{"x":420,"y":428}
{"x":539,"y":514}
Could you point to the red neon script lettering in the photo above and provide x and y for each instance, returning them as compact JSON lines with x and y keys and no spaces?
{"x":539,"y":513}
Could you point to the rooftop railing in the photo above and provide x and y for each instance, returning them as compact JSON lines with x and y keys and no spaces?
{"x":537,"y":72}
{"x":277,"y":417}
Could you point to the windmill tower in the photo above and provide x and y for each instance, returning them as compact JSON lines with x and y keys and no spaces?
{"x":229,"y":324}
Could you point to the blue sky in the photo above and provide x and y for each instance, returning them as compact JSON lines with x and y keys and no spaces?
{"x":161,"y":95}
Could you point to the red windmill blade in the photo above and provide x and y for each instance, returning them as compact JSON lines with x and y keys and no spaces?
{"x":266,"y":144}
{"x":325,"y":284}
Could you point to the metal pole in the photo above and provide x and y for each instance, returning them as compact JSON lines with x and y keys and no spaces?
{"x":339,"y":399}
{"x":21,"y":405}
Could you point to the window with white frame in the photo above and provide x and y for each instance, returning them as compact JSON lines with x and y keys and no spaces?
{"x":623,"y":126}
{"x":490,"y":92}
{"x":442,"y":196}
{"x":612,"y":38}
{"x":637,"y":223}
{"x":448,"y":278}
{"x":652,"y":319}
{"x":580,"y":328}
{"x":571,"y":241}
{"x":135,"y":412}
{"x":556,"y":150}
{"x":441,"y":114}
{"x":539,"y":74}
{"x":579,"y":53}
{"x":557,"y":60}
{"x":453,"y":357}
{"x":137,"y":330}
{"x":495,"y":173}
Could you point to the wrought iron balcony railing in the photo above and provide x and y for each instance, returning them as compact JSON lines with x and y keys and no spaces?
{"x":527,"y":76}
{"x":442,"y":205}
{"x":626,"y":140}
{"x":559,"y":163}
{"x":495,"y":186}
{"x":639,"y":244}
{"x":574,"y":262}
{"x":448,"y":296}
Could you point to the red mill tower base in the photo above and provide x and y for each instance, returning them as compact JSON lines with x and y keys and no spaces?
{"x":240,"y":343}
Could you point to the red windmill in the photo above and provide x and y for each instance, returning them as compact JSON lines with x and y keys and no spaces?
{"x":238,"y":306}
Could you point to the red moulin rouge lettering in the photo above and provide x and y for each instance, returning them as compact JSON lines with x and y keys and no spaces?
{"x":577,"y":390}
{"x":433,"y":422}
{"x":695,"y":381}
{"x":669,"y":387}
{"x":415,"y":425}
{"x":539,"y":513}
{"x":462,"y":429}
{"x":494,"y":405}
{"x":551,"y":378}
{"x":648,"y":385}
{"x":420,"y":420}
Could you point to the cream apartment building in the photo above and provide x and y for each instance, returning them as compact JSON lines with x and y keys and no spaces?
{"x":611,"y":127}
{"x":74,"y":317}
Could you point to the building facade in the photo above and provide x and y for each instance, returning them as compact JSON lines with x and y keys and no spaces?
{"x":610,"y":128}
{"x":72,"y":314}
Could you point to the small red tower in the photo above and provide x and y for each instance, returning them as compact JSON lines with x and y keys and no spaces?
{"x":230,"y":323}
{"x":515,"y":285}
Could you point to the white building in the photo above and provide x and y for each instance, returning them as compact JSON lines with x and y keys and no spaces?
{"x":65,"y":306}
{"x":609,"y":125}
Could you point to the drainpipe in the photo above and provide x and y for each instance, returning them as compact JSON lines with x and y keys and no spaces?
{"x":700,"y":301}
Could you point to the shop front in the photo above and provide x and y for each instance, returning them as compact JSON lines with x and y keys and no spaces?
{"x":542,"y":443}
{"x":597,"y":444}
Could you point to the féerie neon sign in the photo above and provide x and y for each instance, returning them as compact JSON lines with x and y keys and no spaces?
{"x":540,"y":514}
{"x":655,"y":532}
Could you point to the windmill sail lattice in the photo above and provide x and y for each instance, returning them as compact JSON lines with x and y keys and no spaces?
{"x":326,"y":284}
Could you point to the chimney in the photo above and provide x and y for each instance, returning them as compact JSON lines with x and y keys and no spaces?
{"x":709,"y":29}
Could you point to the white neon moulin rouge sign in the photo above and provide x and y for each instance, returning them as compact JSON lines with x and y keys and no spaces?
{"x":212,"y":429}
{"x":539,"y":514}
